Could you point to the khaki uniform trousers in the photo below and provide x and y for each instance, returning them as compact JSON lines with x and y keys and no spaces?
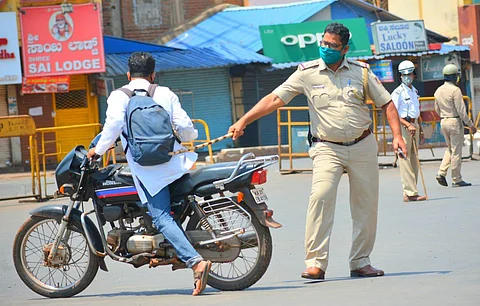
{"x":329,"y":161}
{"x":409,"y":166}
{"x":452,"y":130}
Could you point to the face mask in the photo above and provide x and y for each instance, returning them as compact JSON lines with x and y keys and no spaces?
{"x":330,"y":56}
{"x":407,"y":80}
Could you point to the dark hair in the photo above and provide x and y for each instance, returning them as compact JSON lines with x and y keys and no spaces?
{"x":340,"y":30}
{"x":141,"y":64}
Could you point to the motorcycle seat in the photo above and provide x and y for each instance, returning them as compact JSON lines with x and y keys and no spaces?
{"x":194,"y":179}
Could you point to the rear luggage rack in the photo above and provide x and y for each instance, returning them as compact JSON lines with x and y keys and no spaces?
{"x":249,"y":158}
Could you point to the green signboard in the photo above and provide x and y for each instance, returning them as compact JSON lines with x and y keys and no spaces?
{"x":287,"y":43}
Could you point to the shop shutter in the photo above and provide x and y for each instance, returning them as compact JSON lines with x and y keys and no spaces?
{"x":204,"y":94}
{"x":265,"y":132}
{"x":5,"y":145}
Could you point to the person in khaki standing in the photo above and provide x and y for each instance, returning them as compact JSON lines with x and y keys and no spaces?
{"x":340,"y":123}
{"x":406,"y":100}
{"x":450,"y":107}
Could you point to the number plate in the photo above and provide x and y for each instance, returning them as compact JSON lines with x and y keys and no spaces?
{"x":259,"y":195}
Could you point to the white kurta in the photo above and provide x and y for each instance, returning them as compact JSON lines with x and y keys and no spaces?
{"x":153,"y":178}
{"x":406,"y":101}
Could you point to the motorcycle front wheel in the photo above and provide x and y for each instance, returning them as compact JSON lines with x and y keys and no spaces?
{"x":255,"y":250}
{"x":72,"y":269}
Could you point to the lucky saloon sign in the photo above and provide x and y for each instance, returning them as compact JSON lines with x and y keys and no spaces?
{"x":399,"y":36}
{"x":10,"y":68}
{"x":62,"y":43}
{"x":287,"y":43}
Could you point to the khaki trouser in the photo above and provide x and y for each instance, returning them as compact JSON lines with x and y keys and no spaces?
{"x":409,"y":166}
{"x":329,"y":160}
{"x":452,"y":130}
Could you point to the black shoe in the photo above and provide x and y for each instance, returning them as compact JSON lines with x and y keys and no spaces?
{"x":442,"y":180}
{"x":461,"y":184}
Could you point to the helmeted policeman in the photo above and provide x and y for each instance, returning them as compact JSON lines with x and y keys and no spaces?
{"x":406,"y":100}
{"x":450,"y":107}
{"x":336,"y":88}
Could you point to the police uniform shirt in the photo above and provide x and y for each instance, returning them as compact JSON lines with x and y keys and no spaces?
{"x":336,"y":99}
{"x":406,"y":101}
{"x":449,"y":103}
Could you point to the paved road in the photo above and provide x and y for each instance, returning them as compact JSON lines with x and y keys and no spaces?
{"x":429,"y":251}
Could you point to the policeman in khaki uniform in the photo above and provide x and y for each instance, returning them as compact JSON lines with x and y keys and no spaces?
{"x":450,"y":107}
{"x":405,"y":98}
{"x":340,"y":124}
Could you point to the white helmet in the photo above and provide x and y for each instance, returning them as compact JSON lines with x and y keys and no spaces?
{"x":406,"y":67}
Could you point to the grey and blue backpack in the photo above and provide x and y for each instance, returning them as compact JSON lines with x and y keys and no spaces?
{"x":150,"y":136}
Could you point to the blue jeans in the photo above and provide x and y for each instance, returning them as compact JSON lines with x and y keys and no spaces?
{"x":159,"y":207}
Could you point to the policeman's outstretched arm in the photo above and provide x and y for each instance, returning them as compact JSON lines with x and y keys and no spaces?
{"x":265,"y":106}
{"x":394,"y":122}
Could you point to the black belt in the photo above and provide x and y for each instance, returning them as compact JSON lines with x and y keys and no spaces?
{"x":347,"y":143}
{"x":410,"y":119}
{"x":450,"y":117}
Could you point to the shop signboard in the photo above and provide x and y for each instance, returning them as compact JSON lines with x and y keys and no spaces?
{"x":60,"y":41}
{"x":469,"y":30}
{"x":431,"y":66}
{"x":56,"y":84}
{"x":10,"y":68}
{"x":300,"y":42}
{"x":383,"y":70}
{"x":399,"y":36}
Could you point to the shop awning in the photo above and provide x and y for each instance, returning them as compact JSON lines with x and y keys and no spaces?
{"x":175,"y":59}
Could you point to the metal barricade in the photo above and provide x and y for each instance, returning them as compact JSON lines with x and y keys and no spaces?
{"x":380,"y":129}
{"x":59,"y":149}
{"x":15,"y":126}
{"x":290,"y":124}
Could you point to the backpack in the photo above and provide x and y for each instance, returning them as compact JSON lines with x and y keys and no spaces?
{"x":150,"y":135}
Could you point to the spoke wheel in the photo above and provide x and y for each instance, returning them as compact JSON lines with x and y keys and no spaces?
{"x":255,"y":251}
{"x":72,"y":269}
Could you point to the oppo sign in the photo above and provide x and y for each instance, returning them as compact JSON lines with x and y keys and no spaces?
{"x":303,"y":39}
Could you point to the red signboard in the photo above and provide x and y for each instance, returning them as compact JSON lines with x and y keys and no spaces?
{"x":470,"y":29}
{"x":57,"y":43}
{"x":46,"y":84}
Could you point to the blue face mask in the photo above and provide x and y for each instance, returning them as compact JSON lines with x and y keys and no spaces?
{"x":330,"y":56}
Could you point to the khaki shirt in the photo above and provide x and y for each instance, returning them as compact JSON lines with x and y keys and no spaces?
{"x":335,"y":99}
{"x":449,"y":103}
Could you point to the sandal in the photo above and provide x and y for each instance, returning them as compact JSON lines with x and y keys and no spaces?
{"x":202,"y":277}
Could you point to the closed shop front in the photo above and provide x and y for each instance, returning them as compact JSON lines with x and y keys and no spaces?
{"x":256,"y":85}
{"x":77,"y":107}
{"x":40,"y":107}
{"x":204,"y":94}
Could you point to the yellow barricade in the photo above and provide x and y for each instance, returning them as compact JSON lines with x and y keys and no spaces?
{"x":23,"y":125}
{"x":380,"y":129}
{"x":60,"y":150}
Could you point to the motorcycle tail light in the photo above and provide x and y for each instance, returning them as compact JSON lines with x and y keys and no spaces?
{"x":259,"y":177}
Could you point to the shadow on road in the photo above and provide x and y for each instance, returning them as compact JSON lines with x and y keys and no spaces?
{"x":347,"y":278}
{"x":169,"y":292}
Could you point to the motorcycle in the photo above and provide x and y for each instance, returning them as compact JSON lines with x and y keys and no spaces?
{"x":59,"y":249}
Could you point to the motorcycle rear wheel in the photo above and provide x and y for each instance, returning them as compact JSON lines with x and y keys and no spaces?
{"x":74,"y":269}
{"x":252,"y":262}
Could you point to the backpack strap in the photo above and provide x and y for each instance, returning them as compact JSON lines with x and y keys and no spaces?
{"x":130,"y":94}
{"x":126,"y":91}
{"x":151,"y":90}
